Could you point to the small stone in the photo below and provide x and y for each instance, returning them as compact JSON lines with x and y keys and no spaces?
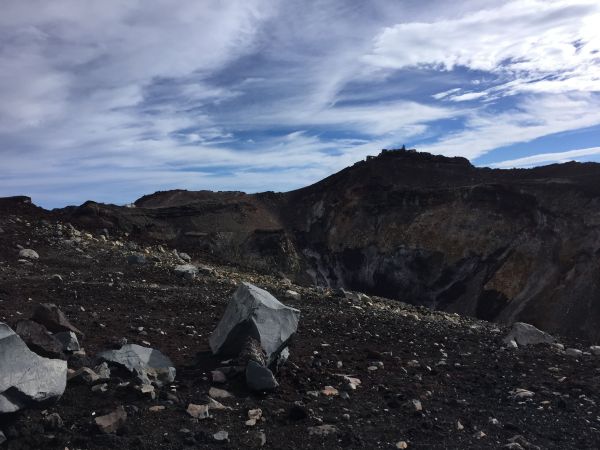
{"x":110,"y":423}
{"x":84,"y":375}
{"x":198,"y":411}
{"x":459,"y":426}
{"x":479,"y":435}
{"x":136,"y":259}
{"x":595,"y":350}
{"x":219,"y":393}
{"x":329,"y":391}
{"x":218,"y":376}
{"x":28,"y":253}
{"x":2,"y":438}
{"x":292,"y":294}
{"x":100,"y":388}
{"x":221,"y":436}
{"x":156,"y":408}
{"x":573,"y":352}
{"x":417,"y":405}
{"x":322,"y":430}
{"x":521,"y":394}
{"x":259,"y":377}
{"x":53,"y":421}
{"x":56,"y":278}
{"x":401,"y":444}
{"x":69,"y":341}
{"x":254,"y":415}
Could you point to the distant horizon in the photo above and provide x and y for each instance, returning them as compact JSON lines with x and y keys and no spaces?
{"x":132,"y":201}
{"x":110,"y":100}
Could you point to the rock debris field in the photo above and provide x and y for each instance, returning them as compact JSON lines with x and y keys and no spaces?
{"x":115,"y":340}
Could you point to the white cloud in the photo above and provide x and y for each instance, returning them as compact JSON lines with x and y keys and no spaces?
{"x":547,"y":158}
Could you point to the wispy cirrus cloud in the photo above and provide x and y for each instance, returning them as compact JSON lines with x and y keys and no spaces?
{"x":112,"y":100}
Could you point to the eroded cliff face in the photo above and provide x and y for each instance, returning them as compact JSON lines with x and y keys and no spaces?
{"x":498,"y":245}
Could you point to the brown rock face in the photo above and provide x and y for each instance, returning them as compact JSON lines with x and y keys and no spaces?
{"x":503,"y":245}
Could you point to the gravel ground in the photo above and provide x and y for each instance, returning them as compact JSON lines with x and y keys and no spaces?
{"x":428,"y":379}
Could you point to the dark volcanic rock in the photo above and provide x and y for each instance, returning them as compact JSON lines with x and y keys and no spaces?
{"x":27,"y":379}
{"x":53,"y":319}
{"x":502,"y":245}
{"x":148,"y":364}
{"x":38,"y":339}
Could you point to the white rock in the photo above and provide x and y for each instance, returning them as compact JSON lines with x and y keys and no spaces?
{"x":28,"y":254}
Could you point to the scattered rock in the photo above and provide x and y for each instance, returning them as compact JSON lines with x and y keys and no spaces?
{"x":254,"y":416}
{"x":329,"y":391}
{"x":257,"y":439}
{"x":260,"y":378}
{"x":293,"y":295}
{"x":575,"y":353}
{"x":69,"y":341}
{"x":253,"y":312}
{"x":322,"y":430}
{"x":401,"y":444}
{"x":27,"y":379}
{"x":136,"y":259}
{"x":53,"y":421}
{"x":218,"y":376}
{"x":524,"y":334}
{"x":2,"y":438}
{"x":110,"y":423}
{"x":38,"y":339}
{"x":156,"y":408}
{"x":49,"y":315}
{"x":595,"y":350}
{"x":221,"y":436}
{"x":28,"y":253}
{"x":187,"y":271}
{"x":416,"y":404}
{"x":185,"y":256}
{"x":148,"y":364}
{"x":521,"y":394}
{"x":84,"y":375}
{"x":219,"y":393}
{"x":198,"y":411}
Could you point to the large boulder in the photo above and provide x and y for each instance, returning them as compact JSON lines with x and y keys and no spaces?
{"x":27,"y":379}
{"x":523,"y":334}
{"x":148,"y":364}
{"x":49,"y":315}
{"x":254,"y":313}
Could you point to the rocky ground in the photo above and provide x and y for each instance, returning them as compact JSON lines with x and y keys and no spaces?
{"x":420,"y":379}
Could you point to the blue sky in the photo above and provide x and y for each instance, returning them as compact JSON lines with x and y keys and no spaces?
{"x":109,"y":100}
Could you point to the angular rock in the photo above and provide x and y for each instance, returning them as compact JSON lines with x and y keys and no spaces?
{"x":148,"y":364}
{"x":25,"y":378}
{"x":221,"y":436}
{"x":322,"y":430}
{"x":198,"y":411}
{"x":575,"y":353}
{"x":2,"y":436}
{"x":28,"y":253}
{"x":525,"y":334}
{"x":39,"y":340}
{"x":49,"y":315}
{"x":260,"y":378}
{"x":136,"y":259}
{"x":219,"y":393}
{"x":253,"y":312}
{"x":187,"y":271}
{"x":69,"y":341}
{"x":110,"y":423}
{"x":84,"y":375}
{"x":595,"y":350}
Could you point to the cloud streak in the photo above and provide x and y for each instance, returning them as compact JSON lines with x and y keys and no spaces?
{"x":112,"y":100}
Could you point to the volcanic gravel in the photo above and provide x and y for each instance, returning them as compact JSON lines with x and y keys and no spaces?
{"x":456,"y":367}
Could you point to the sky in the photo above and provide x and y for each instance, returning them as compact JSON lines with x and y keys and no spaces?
{"x":110,"y":100}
